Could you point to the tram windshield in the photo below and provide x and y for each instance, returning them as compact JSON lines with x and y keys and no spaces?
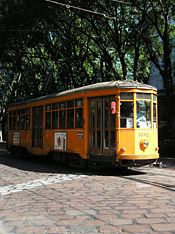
{"x":137,"y":112}
{"x":143,"y":118}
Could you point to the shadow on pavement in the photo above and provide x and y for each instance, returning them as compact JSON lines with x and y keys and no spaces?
{"x":47,"y":165}
{"x":36,"y":164}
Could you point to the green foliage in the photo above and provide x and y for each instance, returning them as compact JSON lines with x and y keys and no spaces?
{"x":46,"y":47}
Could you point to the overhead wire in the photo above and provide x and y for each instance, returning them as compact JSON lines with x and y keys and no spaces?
{"x":82,"y":9}
{"x":68,"y":6}
{"x":123,"y":2}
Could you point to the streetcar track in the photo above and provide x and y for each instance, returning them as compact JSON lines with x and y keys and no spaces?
{"x":153,"y":183}
{"x":153,"y":173}
{"x":167,"y":186}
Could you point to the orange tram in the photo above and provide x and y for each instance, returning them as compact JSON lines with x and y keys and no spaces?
{"x":110,"y":122}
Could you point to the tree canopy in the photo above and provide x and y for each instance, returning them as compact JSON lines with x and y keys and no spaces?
{"x":48,"y":46}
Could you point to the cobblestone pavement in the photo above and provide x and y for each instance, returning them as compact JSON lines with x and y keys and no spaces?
{"x":38,"y":197}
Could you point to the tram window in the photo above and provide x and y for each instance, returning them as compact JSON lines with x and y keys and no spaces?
{"x":55,"y":119}
{"x":93,"y":140}
{"x":48,"y":120}
{"x":27,"y":121}
{"x":18,"y":121}
{"x":99,"y":114}
{"x":143,"y":96}
{"x":106,"y":142}
{"x":79,"y":118}
{"x":113,"y":119}
{"x":154,"y":116}
{"x":106,"y":118}
{"x":143,"y":114}
{"x":126,"y":115}
{"x":10,"y":123}
{"x":79,"y":103}
{"x":109,"y":118}
{"x":70,"y":104}
{"x":55,"y":106}
{"x":62,"y":105}
{"x":14,"y":112}
{"x":10,"y":120}
{"x":48,"y":108}
{"x":98,"y":139}
{"x":62,"y":119}
{"x":22,"y":122}
{"x":154,"y":98}
{"x":113,"y":143}
{"x":23,"y":111}
{"x":27,"y":118}
{"x":92,"y":110}
{"x":126,"y":96}
{"x":22,"y":119}
{"x":14,"y":122}
{"x":70,"y":118}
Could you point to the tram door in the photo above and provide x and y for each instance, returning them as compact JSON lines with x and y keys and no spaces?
{"x":37,"y":127}
{"x":102,"y":126}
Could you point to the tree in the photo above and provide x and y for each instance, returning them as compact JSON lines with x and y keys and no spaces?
{"x":158,"y":38}
{"x":47,"y":47}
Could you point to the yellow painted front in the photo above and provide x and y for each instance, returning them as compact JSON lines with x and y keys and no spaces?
{"x":130,"y":148}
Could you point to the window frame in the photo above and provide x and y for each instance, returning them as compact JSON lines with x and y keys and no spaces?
{"x":15,"y":118}
{"x":127,"y":97}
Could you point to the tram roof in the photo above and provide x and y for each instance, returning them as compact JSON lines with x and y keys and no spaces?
{"x":97,"y":86}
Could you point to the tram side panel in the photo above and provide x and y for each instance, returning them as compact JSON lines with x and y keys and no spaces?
{"x":19,"y":139}
{"x":68,"y":140}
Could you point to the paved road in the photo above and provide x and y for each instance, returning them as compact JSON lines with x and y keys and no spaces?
{"x":39,"y":197}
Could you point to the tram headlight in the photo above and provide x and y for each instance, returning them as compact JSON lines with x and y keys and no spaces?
{"x":144,"y":144}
